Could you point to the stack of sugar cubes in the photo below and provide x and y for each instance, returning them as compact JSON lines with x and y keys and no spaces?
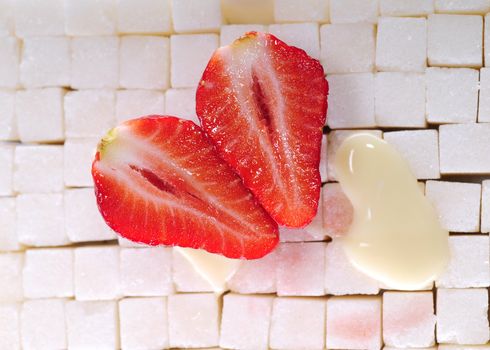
{"x":412,"y":72}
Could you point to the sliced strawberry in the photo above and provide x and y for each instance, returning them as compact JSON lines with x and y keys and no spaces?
{"x":263,"y":104}
{"x":158,"y":180}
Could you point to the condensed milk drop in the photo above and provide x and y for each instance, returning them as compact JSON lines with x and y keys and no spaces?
{"x":395,"y":236}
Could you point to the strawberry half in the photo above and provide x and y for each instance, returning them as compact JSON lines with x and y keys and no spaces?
{"x":263,"y":104}
{"x":158,"y":180}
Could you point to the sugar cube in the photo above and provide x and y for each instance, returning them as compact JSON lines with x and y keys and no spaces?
{"x":7,"y":166}
{"x":341,"y":277}
{"x":144,"y":16}
{"x":83,"y":221}
{"x":43,"y":324}
{"x":406,"y":8}
{"x":400,"y":99}
{"x":462,"y":347}
{"x":45,"y":61}
{"x":90,"y":17}
{"x":8,"y":125}
{"x":298,"y":323}
{"x":11,"y":275}
{"x":191,"y":16}
{"x":401,"y":44}
{"x":40,"y":115}
{"x":337,"y":210}
{"x":463,"y":6}
{"x":464,"y":148}
{"x":420,"y":149}
{"x":9,"y":62}
{"x":78,"y":155}
{"x":353,"y":11}
{"x":485,"y":207}
{"x":469,"y":264}
{"x":39,"y":18}
{"x":144,"y":62}
{"x":9,"y":326}
{"x":185,"y":277}
{"x":143,"y":323}
{"x":408,"y":319}
{"x":301,"y":269}
{"x":48,"y":273}
{"x":7,"y":17}
{"x":462,"y":316}
{"x":181,"y":103}
{"x":455,"y":40}
{"x":322,"y":167}
{"x":245,"y":321}
{"x":229,"y":33}
{"x":452,"y":95}
{"x":457,"y":204}
{"x":92,"y":325}
{"x":136,"y":103}
{"x":255,"y":276}
{"x":484,"y":98}
{"x":126,"y":243}
{"x":89,"y":113}
{"x":189,"y":56}
{"x":8,"y":230}
{"x":357,"y":57}
{"x":193,"y":320}
{"x":306,"y":36}
{"x":96,"y":273}
{"x":139,"y":280}
{"x":354,"y":323}
{"x":250,"y":11}
{"x":40,"y":219}
{"x":304,"y":11}
{"x":38,"y":168}
{"x":486,"y":41}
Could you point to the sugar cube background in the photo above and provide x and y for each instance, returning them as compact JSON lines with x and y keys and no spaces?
{"x":252,"y":11}
{"x":302,"y":35}
{"x":9,"y":326}
{"x":137,"y":103}
{"x":406,"y":8}
{"x":6,"y":17}
{"x":7,"y":166}
{"x":144,"y":16}
{"x":484,"y":96}
{"x":11,"y":271}
{"x":90,"y":17}
{"x":485,"y":207}
{"x":466,"y":7}
{"x":9,"y":62}
{"x":8,"y":125}
{"x":181,"y":103}
{"x":352,"y":11}
{"x":39,"y":18}
{"x":8,"y":230}
{"x":306,"y":11}
{"x":185,"y":278}
{"x":337,"y":210}
{"x":196,"y":16}
{"x":78,"y":155}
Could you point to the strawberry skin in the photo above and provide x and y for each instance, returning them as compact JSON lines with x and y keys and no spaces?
{"x":158,"y":180}
{"x":263,"y":104}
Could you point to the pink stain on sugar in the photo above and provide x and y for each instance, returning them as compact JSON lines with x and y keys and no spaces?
{"x":416,"y":313}
{"x":338,"y":212}
{"x":360,"y":329}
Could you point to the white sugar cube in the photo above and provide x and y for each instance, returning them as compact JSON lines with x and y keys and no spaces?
{"x":8,"y":125}
{"x":464,"y":148}
{"x":181,"y":103}
{"x":185,"y":277}
{"x":40,"y":115}
{"x":144,"y":16}
{"x":45,"y":61}
{"x":95,"y":62}
{"x":338,"y":212}
{"x":48,"y":273}
{"x":89,"y":113}
{"x":126,"y":243}
{"x":484,"y":98}
{"x":7,"y":166}
{"x":83,"y":221}
{"x":301,"y":269}
{"x":38,"y":169}
{"x":189,"y":56}
{"x":486,"y":41}
{"x":78,"y":157}
{"x":354,"y":323}
{"x":137,"y":279}
{"x":420,"y":149}
{"x":90,"y":17}
{"x":452,"y":95}
{"x":193,"y":320}
{"x":457,"y":204}
{"x":40,"y":219}
{"x":304,"y":11}
{"x":322,"y":167}
{"x":43,"y":324}
{"x":357,"y":57}
{"x":144,"y":62}
{"x":469,"y":264}
{"x":255,"y":276}
{"x":97,"y":273}
{"x":7,"y":10}
{"x":353,"y":11}
{"x":192,"y":16}
{"x":306,"y":36}
{"x":463,"y":6}
{"x":341,"y":277}
{"x":408,"y":319}
{"x":9,"y":62}
{"x":406,"y":8}
{"x":401,"y":44}
{"x":39,"y":18}
{"x":143,"y":323}
{"x":455,"y":40}
{"x":462,"y":316}
{"x":137,"y":103}
{"x":298,"y":323}
{"x":245,"y":321}
{"x":485,"y":207}
{"x":462,"y":347}
{"x":250,"y":11}
{"x":92,"y":325}
{"x":400,"y":99}
{"x":8,"y":230}
{"x":11,"y":275}
{"x":9,"y":326}
{"x":230,"y":33}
